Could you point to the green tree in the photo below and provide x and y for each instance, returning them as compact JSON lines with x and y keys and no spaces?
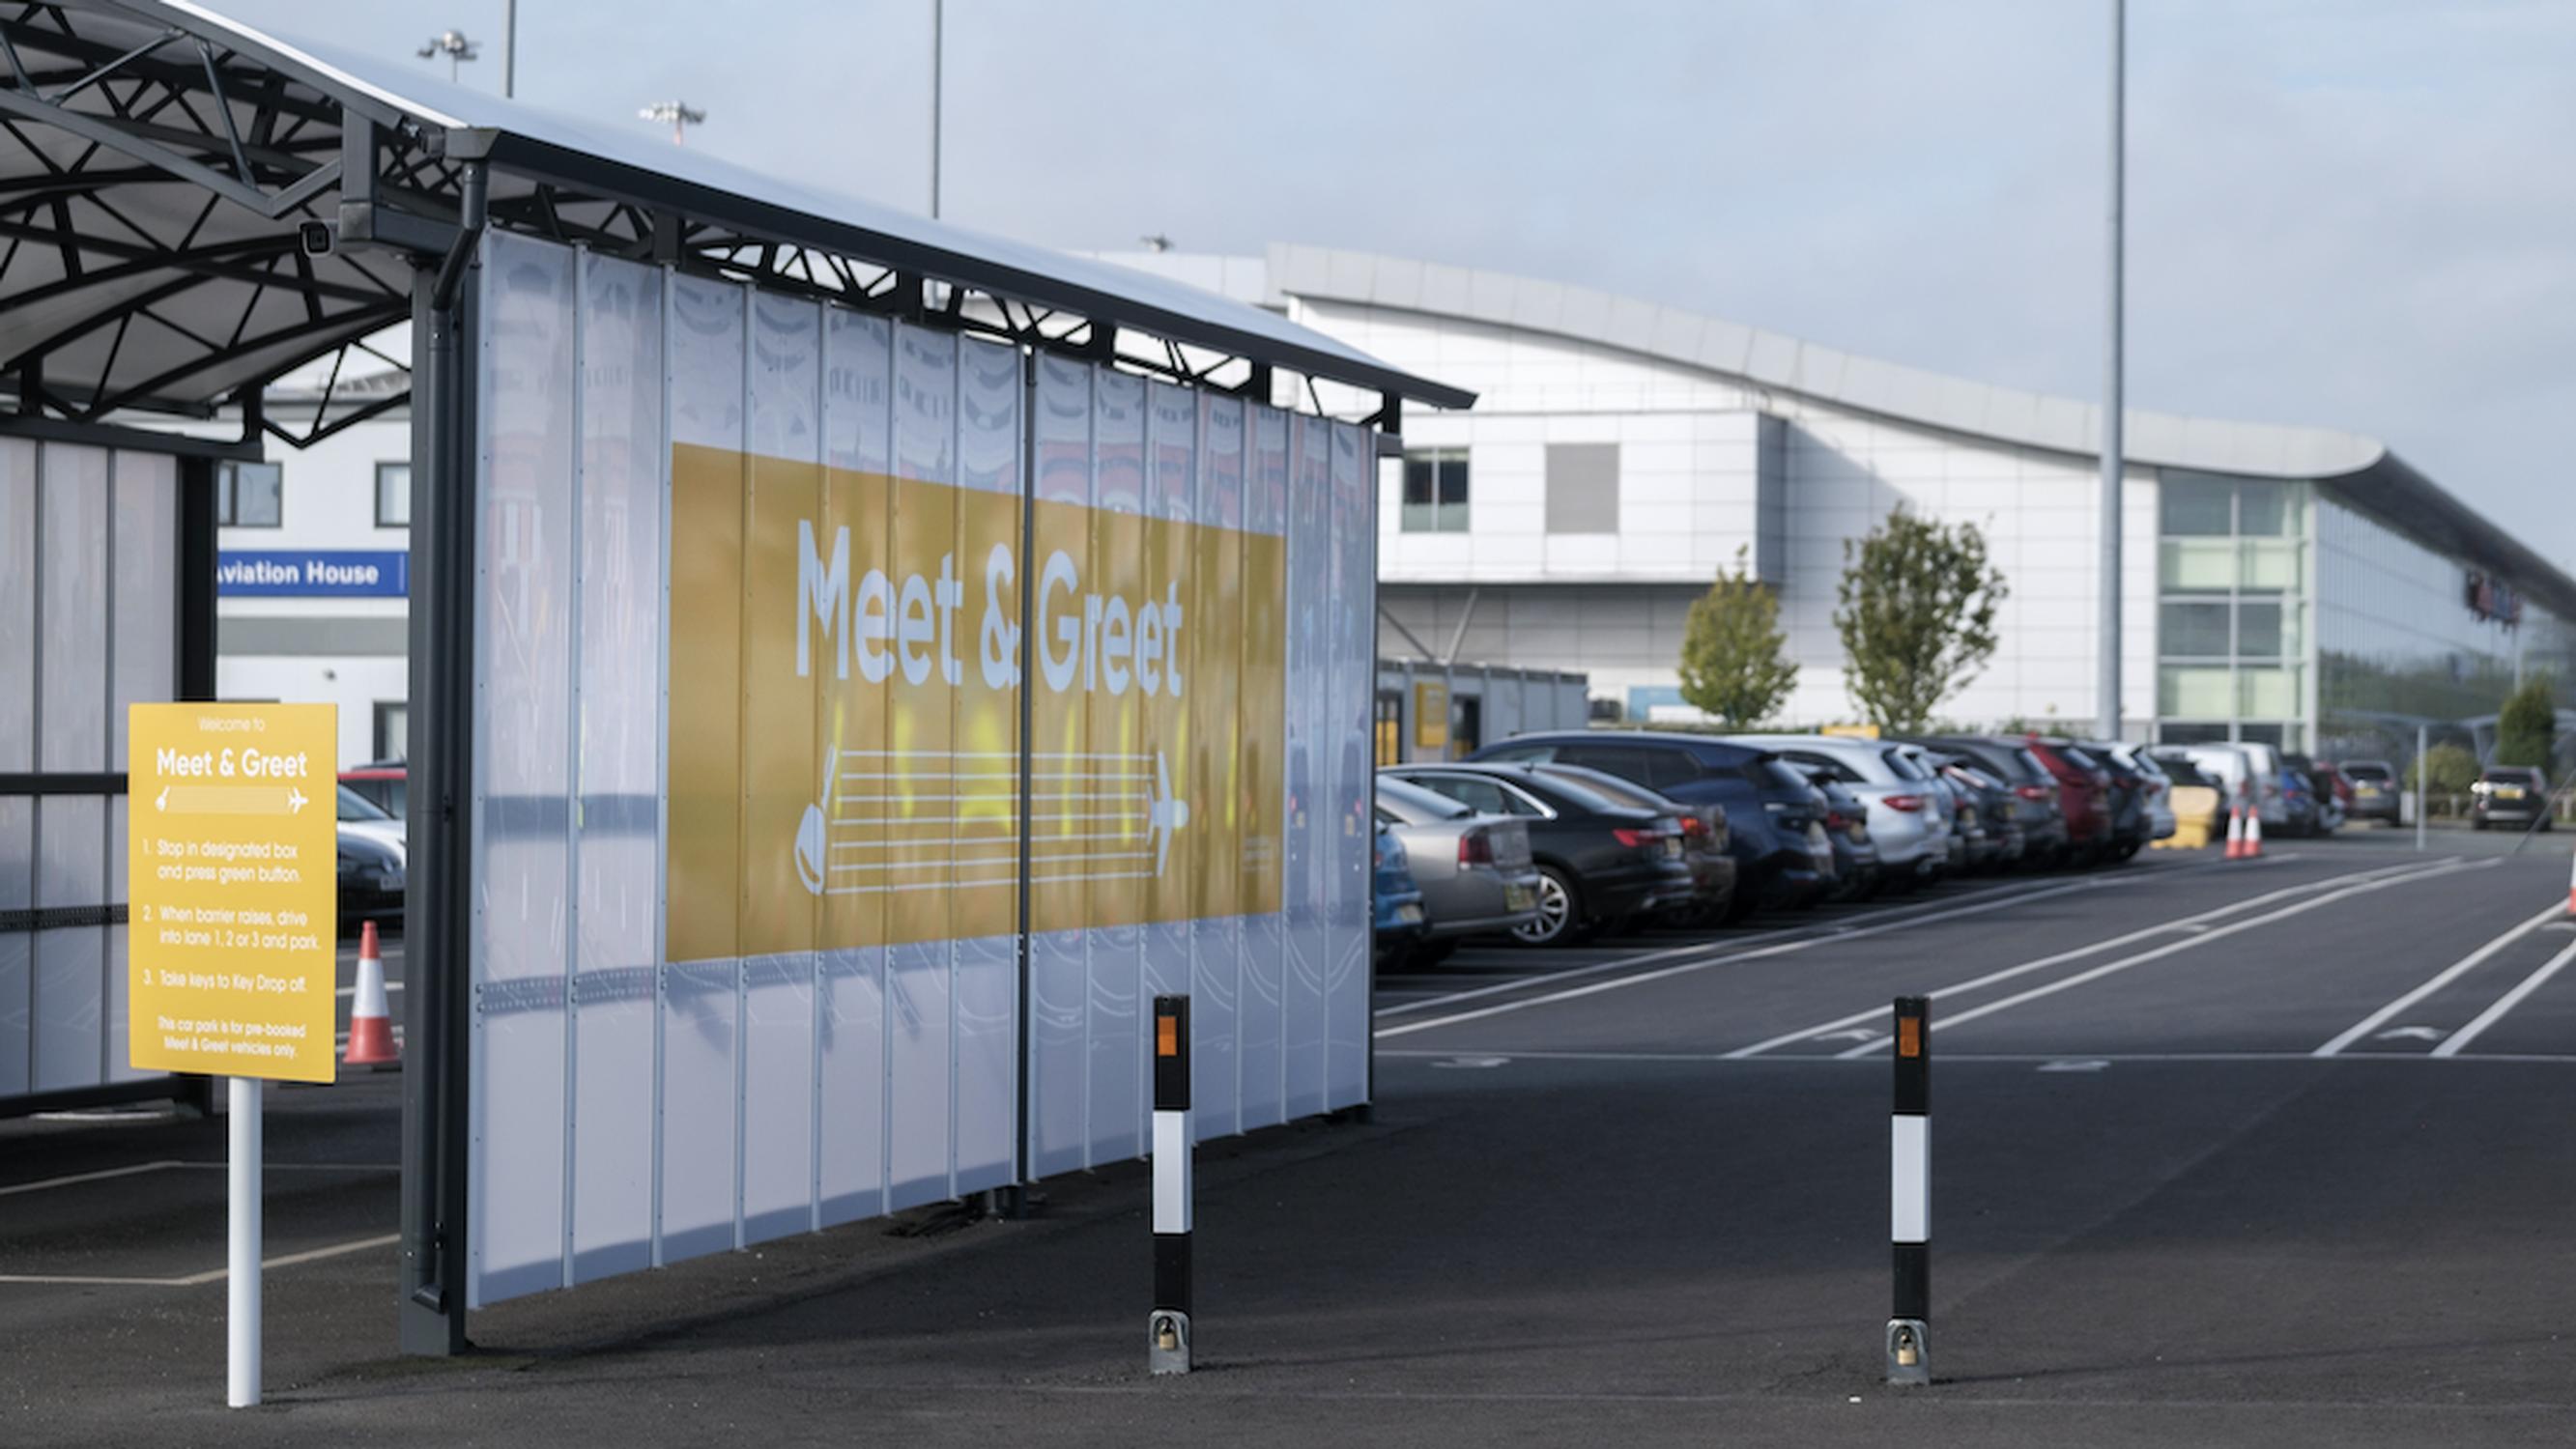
{"x":2451,"y":768}
{"x":1916,"y":615}
{"x":1735,"y":662}
{"x":2527,"y":729}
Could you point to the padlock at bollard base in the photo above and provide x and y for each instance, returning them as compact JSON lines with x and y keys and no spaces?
{"x":1167,"y":1341}
{"x":1909,"y":1352}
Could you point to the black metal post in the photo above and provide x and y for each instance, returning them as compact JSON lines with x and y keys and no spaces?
{"x":1909,"y":1352}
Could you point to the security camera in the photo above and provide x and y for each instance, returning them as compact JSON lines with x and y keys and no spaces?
{"x":316,"y":238}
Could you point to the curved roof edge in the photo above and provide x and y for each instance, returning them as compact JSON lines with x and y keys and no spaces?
{"x":1711,"y":344}
{"x":2357,"y":471}
{"x":633,"y":164}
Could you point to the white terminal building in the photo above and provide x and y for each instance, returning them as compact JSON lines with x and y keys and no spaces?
{"x":2294,"y":585}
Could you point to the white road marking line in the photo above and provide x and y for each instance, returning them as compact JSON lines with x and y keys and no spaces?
{"x":211,"y":1275}
{"x":2418,"y":1033}
{"x":1999,"y":1058}
{"x":1862,"y":1023}
{"x":81,"y":1177}
{"x":2112,"y":968}
{"x":1950,"y":911}
{"x":2505,"y":1003}
{"x":1888,"y":915}
{"x":1520,"y":983}
{"x":2076,"y":1064}
{"x":173,"y":1164}
{"x":2442,"y":978}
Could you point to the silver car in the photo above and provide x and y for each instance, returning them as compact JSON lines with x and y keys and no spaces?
{"x":1474,"y":871}
{"x":1910,"y":814}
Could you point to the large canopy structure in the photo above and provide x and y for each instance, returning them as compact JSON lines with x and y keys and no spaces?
{"x":191,"y":208}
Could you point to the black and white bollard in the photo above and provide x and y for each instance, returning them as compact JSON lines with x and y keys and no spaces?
{"x":1167,"y":1332}
{"x":1909,"y":1197}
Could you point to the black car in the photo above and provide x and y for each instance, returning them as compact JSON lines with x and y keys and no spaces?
{"x":371,"y":878}
{"x":1600,"y":863}
{"x":1993,"y":804}
{"x":2133,"y":820}
{"x":2513,"y":795}
{"x":1775,"y":818}
{"x":2036,"y":808}
{"x":1705,"y":845}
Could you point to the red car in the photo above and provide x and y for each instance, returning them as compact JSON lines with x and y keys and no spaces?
{"x":2083,"y":796}
{"x":381,"y":782}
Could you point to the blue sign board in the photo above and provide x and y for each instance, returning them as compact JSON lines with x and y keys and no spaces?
{"x":313,"y":573}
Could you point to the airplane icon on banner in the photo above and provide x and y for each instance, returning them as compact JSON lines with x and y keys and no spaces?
{"x":1164,"y":813}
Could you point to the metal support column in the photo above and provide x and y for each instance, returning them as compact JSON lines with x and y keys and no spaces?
{"x":438,"y":914}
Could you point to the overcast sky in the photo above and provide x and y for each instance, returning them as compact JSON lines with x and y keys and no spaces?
{"x":2348,"y":213}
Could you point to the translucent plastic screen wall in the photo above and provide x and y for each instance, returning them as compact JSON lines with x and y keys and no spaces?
{"x":768,"y":589}
{"x":89,"y":567}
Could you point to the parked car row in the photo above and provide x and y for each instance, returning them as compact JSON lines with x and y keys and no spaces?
{"x":1611,"y":830}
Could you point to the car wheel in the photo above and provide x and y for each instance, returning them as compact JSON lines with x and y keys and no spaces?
{"x":2476,"y":824}
{"x":1560,"y":912}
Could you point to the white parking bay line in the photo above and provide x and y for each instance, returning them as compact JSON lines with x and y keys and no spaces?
{"x":211,"y":1275}
{"x":82,"y":1177}
{"x":1853,"y":1024}
{"x":2505,"y":1003}
{"x":2442,"y":978}
{"x":2451,"y":866}
{"x":1729,"y":956}
{"x":1886,"y":915}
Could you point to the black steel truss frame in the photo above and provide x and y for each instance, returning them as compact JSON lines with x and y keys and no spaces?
{"x":259,"y":131}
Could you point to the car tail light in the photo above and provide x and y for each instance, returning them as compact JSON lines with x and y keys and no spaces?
{"x":1906,"y":803}
{"x":1834,"y":820}
{"x":1634,"y":838}
{"x":2033,"y":792}
{"x":1377,"y":856}
{"x":1476,"y":847}
{"x":1693,"y":827}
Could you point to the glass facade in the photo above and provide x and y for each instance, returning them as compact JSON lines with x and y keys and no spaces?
{"x":2233,"y":604}
{"x":2399,"y":645}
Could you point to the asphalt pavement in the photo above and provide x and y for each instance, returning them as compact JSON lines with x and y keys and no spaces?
{"x":2264,"y":1153}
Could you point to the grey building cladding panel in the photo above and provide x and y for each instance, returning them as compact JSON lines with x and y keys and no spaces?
{"x":1583,"y":487}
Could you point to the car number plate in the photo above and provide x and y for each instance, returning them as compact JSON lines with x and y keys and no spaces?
{"x":2371,"y":791}
{"x":1672,"y":847}
{"x":1518,"y":898}
{"x":1409,"y":914}
{"x":2508,"y":792}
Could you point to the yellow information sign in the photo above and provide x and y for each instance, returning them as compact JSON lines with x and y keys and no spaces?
{"x":232,"y":930}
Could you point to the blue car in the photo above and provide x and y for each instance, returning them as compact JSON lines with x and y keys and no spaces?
{"x":1399,"y":904}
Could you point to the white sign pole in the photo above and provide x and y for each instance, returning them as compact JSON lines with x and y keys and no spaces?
{"x":241,"y":1258}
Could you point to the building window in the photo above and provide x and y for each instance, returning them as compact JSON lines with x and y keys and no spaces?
{"x":393,"y":495}
{"x":1583,"y":487}
{"x":2231,"y":637}
{"x":1435,"y":491}
{"x":393,"y":729}
{"x":249,"y":495}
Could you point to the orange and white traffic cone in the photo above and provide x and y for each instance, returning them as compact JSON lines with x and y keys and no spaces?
{"x":371,"y":1021}
{"x":2236,"y":832}
{"x":2253,"y":834}
{"x":2571,"y":888}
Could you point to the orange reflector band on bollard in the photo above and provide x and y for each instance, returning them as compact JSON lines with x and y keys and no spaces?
{"x":1909,"y":1036}
{"x":1167,"y":1037}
